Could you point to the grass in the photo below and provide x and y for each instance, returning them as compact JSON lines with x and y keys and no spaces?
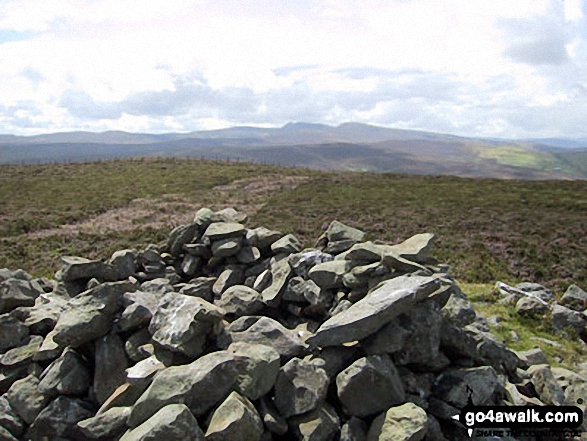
{"x":526,"y":329}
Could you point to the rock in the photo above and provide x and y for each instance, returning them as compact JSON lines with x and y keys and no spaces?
{"x":12,"y":332}
{"x":183,"y":323}
{"x":5,"y":435}
{"x":59,"y":419}
{"x":264,"y":331}
{"x":79,"y":268}
{"x":549,"y":391}
{"x":235,"y":419}
{"x":232,"y":275}
{"x":321,"y":424}
{"x":536,"y":290}
{"x":271,"y":418}
{"x":574,"y":298}
{"x":240,"y":300}
{"x":479,"y":384}
{"x":301,"y":386}
{"x":262,"y":237}
{"x":42,"y":317}
{"x":171,"y":423}
{"x":459,"y":311}
{"x":223,"y":230}
{"x":288,"y":244}
{"x":110,"y":366}
{"x":532,"y":357}
{"x":18,"y":292}
{"x":226,"y":247}
{"x":124,"y":263}
{"x":531,"y":307}
{"x":565,"y":318}
{"x":89,"y":315}
{"x":354,"y":429}
{"x":280,"y":272}
{"x":144,"y":369}
{"x":378,"y":308}
{"x":139,"y":309}
{"x":9,"y":420}
{"x":106,"y":426}
{"x":159,"y":287}
{"x":68,"y":375}
{"x":416,"y":248}
{"x":388,"y":340}
{"x":304,"y":261}
{"x":369,"y":385}
{"x":338,"y":231}
{"x":199,"y":287}
{"x":407,"y":422}
{"x":248,"y":255}
{"x":25,"y":398}
{"x":22,"y":355}
{"x":329,"y":275}
{"x":180,"y":236}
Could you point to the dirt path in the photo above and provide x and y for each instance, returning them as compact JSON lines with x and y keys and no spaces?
{"x":169,"y":210}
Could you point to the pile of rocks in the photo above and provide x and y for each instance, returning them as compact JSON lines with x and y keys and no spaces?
{"x":567,"y":315}
{"x":234,"y":333}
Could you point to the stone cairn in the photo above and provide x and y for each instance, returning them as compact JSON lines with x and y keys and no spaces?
{"x":229,"y":333}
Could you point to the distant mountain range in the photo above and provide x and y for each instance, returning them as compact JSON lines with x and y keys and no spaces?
{"x":349,"y":146}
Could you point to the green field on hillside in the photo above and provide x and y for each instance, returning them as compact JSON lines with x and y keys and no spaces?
{"x":486,"y":229}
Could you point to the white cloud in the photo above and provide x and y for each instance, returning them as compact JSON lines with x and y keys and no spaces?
{"x":454,"y":66}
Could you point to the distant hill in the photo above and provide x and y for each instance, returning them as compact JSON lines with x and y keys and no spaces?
{"x":348,"y":146}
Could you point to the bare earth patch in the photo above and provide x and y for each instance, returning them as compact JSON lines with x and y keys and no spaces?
{"x":169,"y":210}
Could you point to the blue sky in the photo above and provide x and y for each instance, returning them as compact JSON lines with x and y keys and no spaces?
{"x":469,"y":67}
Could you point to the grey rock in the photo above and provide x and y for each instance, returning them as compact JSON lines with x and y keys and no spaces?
{"x":366,"y":252}
{"x":574,"y":298}
{"x":455,"y":387}
{"x":199,"y":287}
{"x":288,"y":244}
{"x":248,"y":255}
{"x":302,"y":262}
{"x":264,"y":331}
{"x":12,"y":332}
{"x":531,"y":307}
{"x":22,"y":355}
{"x":231,"y":215}
{"x":339,"y":246}
{"x":301,"y":386}
{"x":76,"y":268}
{"x":18,"y":292}
{"x":227,"y":247}
{"x":388,"y":340}
{"x":232,"y":275}
{"x":334,"y":359}
{"x":124,"y":262}
{"x":205,"y":217}
{"x":138,"y":312}
{"x":338,"y":231}
{"x":144,"y":369}
{"x":89,"y":315}
{"x":42,"y":317}
{"x":329,"y":275}
{"x":321,"y":424}
{"x":110,"y":366}
{"x":190,"y":264}
{"x":374,"y":311}
{"x":549,"y":391}
{"x":183,"y":323}
{"x":179,"y":236}
{"x":109,"y":425}
{"x":6,"y":274}
{"x":262,"y":237}
{"x":370,"y":385}
{"x":459,"y":311}
{"x":59,"y":419}
{"x":240,"y":300}
{"x":9,"y":419}
{"x":172,"y":423}
{"x":159,"y":286}
{"x":407,"y":422}
{"x":223,"y":230}
{"x":135,"y":342}
{"x":536,"y":290}
{"x":532,"y":357}
{"x":235,"y":419}
{"x":68,"y":375}
{"x":416,"y":248}
{"x":280,"y":272}
{"x":564,"y":318}
{"x":25,"y":398}
{"x":263,"y":280}
{"x":354,"y":429}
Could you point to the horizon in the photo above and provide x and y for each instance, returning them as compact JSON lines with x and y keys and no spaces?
{"x":487,"y":69}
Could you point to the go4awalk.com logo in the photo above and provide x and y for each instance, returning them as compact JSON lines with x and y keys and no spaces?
{"x":559,"y":422}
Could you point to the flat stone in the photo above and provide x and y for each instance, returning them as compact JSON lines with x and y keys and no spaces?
{"x":124,"y":262}
{"x":172,"y":423}
{"x":549,"y":391}
{"x":199,"y":287}
{"x":262,"y":237}
{"x":144,"y":369}
{"x":59,"y":419}
{"x":22,"y":355}
{"x":180,"y":236}
{"x":227,"y":247}
{"x":109,"y":366}
{"x":76,"y":268}
{"x":536,"y":290}
{"x":407,"y":422}
{"x":369,"y":386}
{"x":301,"y":386}
{"x":531,"y":307}
{"x":183,"y":323}
{"x":574,"y":298}
{"x":280,"y":272}
{"x":322,"y":424}
{"x":68,"y":375}
{"x":288,"y":244}
{"x":328,"y":275}
{"x":416,"y":248}
{"x":12,"y":332}
{"x":374,"y":311}
{"x":565,"y":318}
{"x":26,"y":399}
{"x":235,"y":419}
{"x":108,"y":425}
{"x":223,"y":230}
{"x":337,"y":231}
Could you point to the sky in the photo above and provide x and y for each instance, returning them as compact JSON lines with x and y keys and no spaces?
{"x":497,"y":68}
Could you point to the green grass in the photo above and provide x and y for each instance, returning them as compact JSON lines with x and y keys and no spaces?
{"x":485,"y":300}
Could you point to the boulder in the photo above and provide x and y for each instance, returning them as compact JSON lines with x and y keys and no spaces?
{"x":180,"y":236}
{"x":329,"y":275}
{"x":68,"y":375}
{"x":549,"y":391}
{"x":107,"y":426}
{"x":59,"y":419}
{"x":199,"y":287}
{"x":564,"y":319}
{"x":79,"y":268}
{"x":480,"y":385}
{"x":223,"y":230}
{"x":280,"y":272}
{"x":235,"y":419}
{"x":26,"y":399}
{"x":171,"y":423}
{"x":239,"y":300}
{"x":17,"y":292}
{"x":109,"y":366}
{"x":407,"y":422}
{"x":415,"y":249}
{"x":574,"y":298}
{"x":531,"y":307}
{"x":369,"y":386}
{"x":288,"y":244}
{"x":124,"y":263}
{"x":12,"y":332}
{"x":321,"y":424}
